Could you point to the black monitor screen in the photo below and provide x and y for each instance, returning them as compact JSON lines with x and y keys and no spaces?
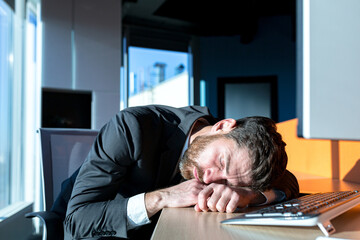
{"x":66,"y":109}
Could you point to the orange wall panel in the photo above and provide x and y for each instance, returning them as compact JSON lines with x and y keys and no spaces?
{"x":349,"y":152}
{"x":317,"y":157}
{"x":305,"y":155}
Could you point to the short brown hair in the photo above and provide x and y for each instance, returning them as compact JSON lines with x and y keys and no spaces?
{"x":266,"y":149}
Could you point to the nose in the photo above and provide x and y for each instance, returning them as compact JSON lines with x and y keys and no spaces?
{"x":212,"y":176}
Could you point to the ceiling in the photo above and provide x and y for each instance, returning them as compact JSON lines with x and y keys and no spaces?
{"x":201,"y":17}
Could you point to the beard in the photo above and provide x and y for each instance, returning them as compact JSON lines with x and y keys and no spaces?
{"x":187,"y":166}
{"x":189,"y":160}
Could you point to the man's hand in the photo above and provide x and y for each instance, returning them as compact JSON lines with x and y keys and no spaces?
{"x":184,"y":194}
{"x":222,"y":198}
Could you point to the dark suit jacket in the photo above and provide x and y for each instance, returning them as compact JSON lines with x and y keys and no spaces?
{"x":136,"y":152}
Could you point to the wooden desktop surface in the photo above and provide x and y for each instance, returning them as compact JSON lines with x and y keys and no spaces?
{"x":185,"y":223}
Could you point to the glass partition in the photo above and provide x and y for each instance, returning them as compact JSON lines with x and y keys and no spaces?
{"x":6,"y":60}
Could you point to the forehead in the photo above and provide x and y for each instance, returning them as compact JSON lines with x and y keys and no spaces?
{"x":220,"y":145}
{"x":224,"y":145}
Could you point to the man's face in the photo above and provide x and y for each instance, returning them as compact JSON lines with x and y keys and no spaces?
{"x":216,"y":159}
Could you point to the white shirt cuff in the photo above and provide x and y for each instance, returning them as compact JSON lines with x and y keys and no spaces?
{"x":136,"y":212}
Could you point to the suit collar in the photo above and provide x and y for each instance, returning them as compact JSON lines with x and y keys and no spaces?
{"x":168,"y":167}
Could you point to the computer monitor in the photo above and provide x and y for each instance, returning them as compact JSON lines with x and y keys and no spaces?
{"x":66,"y":108}
{"x":328,"y":69}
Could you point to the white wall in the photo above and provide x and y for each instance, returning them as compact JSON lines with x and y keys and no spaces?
{"x":82,"y":51}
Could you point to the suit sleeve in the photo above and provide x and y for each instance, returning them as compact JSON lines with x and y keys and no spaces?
{"x":288,"y":184}
{"x":96,"y":209}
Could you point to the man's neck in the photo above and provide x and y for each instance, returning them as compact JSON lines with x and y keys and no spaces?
{"x":201,"y":127}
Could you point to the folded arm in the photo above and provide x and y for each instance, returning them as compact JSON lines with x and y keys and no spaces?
{"x":222,"y":198}
{"x":184,"y":194}
{"x":219,"y":197}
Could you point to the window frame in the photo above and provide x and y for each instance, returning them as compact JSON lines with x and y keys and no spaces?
{"x":145,"y":37}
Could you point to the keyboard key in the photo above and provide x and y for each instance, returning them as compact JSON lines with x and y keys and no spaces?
{"x":273,"y":214}
{"x":253,"y":215}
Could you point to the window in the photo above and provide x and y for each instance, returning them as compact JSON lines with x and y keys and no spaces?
{"x":6,"y":73}
{"x":30,"y":93}
{"x":158,"y":77}
{"x":19,"y":103}
{"x":156,"y":67}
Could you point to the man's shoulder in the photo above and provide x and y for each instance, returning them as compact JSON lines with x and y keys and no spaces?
{"x":151,"y":117}
{"x":158,"y":107}
{"x":165,"y":111}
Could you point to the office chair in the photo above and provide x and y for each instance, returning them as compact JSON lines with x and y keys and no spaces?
{"x":63,"y":151}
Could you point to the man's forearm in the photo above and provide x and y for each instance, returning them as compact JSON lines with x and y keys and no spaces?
{"x":105,"y":216}
{"x":154,"y":202}
{"x":184,"y":194}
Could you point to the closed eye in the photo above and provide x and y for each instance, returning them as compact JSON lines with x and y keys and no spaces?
{"x":221,"y":163}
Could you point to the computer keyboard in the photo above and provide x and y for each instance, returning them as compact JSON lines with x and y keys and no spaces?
{"x":309,"y":210}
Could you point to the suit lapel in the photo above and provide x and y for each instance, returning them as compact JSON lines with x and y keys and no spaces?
{"x":169,"y":159}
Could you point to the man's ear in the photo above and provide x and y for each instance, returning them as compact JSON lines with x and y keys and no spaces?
{"x":225,"y":125}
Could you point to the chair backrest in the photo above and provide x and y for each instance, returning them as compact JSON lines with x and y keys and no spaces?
{"x":63,"y":151}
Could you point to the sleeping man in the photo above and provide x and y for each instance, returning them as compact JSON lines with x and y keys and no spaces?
{"x":148,"y":158}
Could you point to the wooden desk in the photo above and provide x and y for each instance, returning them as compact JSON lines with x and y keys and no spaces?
{"x":185,"y":223}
